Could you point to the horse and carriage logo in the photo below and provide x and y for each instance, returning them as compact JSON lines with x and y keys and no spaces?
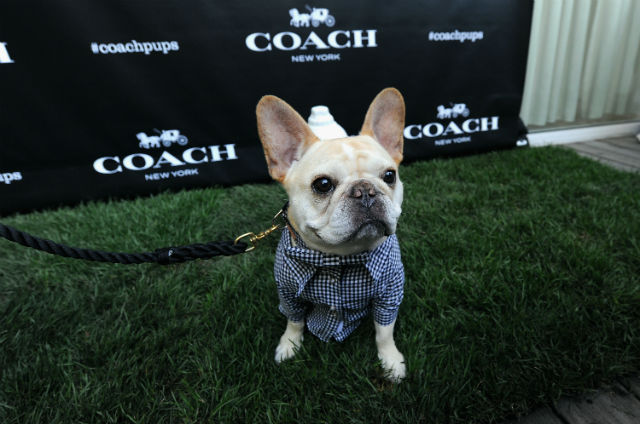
{"x":457,"y":109}
{"x":315,"y":17}
{"x":164,"y":137}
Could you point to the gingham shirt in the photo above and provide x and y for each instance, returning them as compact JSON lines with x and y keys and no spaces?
{"x":335,"y":292}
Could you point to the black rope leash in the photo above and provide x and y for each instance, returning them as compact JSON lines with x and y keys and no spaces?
{"x":163,"y":256}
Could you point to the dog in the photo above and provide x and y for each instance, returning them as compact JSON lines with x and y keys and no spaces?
{"x":338,"y":259}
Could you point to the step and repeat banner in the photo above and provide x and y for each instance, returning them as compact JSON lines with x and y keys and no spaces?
{"x":120,"y":98}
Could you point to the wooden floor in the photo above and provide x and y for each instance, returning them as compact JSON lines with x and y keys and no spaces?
{"x":618,"y":403}
{"x":621,"y":153}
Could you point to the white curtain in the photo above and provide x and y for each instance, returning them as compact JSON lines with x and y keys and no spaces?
{"x":584,"y":62}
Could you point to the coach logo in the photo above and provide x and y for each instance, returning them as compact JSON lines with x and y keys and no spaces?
{"x":311,"y":41}
{"x":108,"y":165}
{"x":4,"y":54}
{"x":164,"y":137}
{"x":459,"y":131}
{"x":287,"y":41}
{"x":316,"y":16}
{"x":458,"y":109}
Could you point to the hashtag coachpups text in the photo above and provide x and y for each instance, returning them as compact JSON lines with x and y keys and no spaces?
{"x":456,"y":35}
{"x":133,"y":46}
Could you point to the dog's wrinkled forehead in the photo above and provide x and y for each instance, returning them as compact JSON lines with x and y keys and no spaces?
{"x":351,"y":149}
{"x":357,"y":155}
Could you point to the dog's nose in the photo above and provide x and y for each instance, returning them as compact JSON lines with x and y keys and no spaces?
{"x":365,"y":191}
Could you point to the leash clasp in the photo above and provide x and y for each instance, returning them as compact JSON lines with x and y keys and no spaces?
{"x":255,"y":238}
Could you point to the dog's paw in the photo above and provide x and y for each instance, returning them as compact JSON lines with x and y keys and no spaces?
{"x":392,"y":362}
{"x":287,"y":348}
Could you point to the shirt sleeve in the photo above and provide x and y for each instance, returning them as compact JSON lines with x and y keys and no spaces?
{"x":290,"y":305}
{"x":287,"y":279}
{"x":387,"y":303}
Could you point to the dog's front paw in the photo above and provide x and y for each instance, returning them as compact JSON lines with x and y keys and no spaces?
{"x":392,"y":362}
{"x":287,"y":348}
{"x":290,"y":341}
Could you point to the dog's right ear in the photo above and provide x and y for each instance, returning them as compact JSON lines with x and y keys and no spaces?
{"x":385,"y":122}
{"x":284,"y":135}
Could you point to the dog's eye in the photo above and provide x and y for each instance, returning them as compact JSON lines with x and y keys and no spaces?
{"x":322,"y":185}
{"x":389,"y":176}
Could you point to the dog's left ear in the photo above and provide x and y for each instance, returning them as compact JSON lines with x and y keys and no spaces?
{"x":385,"y":122}
{"x":284,"y":135}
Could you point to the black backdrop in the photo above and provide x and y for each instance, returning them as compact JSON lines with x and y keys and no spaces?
{"x":87,"y":88}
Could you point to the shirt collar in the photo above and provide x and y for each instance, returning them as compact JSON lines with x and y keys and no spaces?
{"x":375,"y":261}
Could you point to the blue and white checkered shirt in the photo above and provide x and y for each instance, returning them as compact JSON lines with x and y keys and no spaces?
{"x":335,"y":292}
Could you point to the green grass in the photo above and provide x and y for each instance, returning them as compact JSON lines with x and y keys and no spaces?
{"x":523,"y":283}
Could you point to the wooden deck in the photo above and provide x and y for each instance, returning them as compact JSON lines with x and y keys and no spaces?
{"x":616,"y":404}
{"x":620,"y":402}
{"x":621,"y":153}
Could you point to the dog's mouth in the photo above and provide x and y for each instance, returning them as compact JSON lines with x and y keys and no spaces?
{"x":370,"y":229}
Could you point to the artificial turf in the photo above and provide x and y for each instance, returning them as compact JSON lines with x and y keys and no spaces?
{"x":523,"y":283}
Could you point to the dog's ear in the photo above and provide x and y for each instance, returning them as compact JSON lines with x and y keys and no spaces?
{"x":284,"y":135}
{"x":385,"y":122}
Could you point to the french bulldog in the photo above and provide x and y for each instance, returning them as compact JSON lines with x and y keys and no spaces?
{"x":338,"y":259}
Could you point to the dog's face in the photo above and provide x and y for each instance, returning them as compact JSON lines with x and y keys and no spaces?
{"x":345,"y":194}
